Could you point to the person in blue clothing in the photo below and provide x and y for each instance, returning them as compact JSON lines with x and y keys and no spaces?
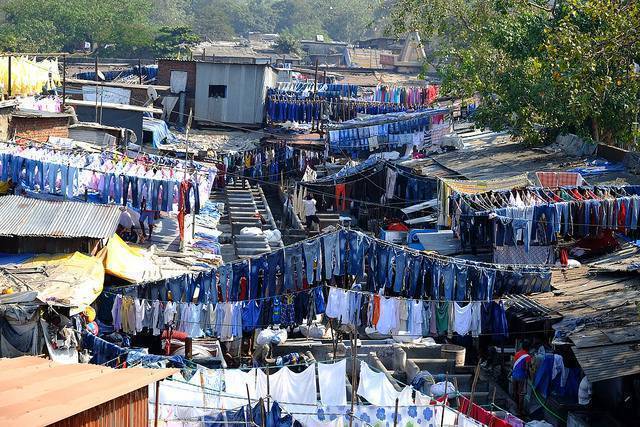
{"x":520,"y":374}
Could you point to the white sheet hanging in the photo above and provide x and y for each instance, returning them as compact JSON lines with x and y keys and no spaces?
{"x":333,"y":382}
{"x":295,"y":392}
{"x":376,"y":388}
{"x":236,"y":382}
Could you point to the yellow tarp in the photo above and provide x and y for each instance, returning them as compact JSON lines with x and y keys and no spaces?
{"x":75,"y":279}
{"x":131,"y":264}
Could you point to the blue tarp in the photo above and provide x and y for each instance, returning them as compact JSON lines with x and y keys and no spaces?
{"x":159,"y":130}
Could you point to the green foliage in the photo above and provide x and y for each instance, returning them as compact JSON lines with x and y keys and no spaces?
{"x":287,"y":43}
{"x":174,"y":41}
{"x":566,"y":69}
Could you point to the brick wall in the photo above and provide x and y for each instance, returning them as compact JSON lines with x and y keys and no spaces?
{"x":40,"y":128}
{"x":165,"y":67}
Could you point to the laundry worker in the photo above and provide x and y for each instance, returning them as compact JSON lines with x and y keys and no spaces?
{"x":310,"y":211}
{"x":520,"y":375}
{"x":126,"y":229}
{"x":148,"y":216}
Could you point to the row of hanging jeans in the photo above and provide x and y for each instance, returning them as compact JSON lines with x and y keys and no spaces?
{"x":56,"y":178}
{"x":283,"y":110}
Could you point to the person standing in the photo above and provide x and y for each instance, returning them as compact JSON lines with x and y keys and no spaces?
{"x":520,"y":375}
{"x":310,"y":212}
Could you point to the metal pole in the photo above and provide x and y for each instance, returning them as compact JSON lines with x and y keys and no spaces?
{"x":354,"y":342}
{"x":268,"y":389}
{"x":9,"y":89}
{"x":95,"y":69}
{"x":64,"y":80}
{"x":140,"y":70}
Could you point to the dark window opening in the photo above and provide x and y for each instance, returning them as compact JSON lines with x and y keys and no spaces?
{"x":217,"y":91}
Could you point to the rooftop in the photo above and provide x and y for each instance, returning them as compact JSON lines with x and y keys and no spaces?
{"x":36,"y":391}
{"x":25,"y":217}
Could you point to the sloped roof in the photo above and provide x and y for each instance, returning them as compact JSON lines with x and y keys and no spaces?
{"x":36,"y":391}
{"x":25,"y":217}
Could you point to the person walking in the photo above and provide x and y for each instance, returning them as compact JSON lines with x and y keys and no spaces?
{"x":310,"y":212}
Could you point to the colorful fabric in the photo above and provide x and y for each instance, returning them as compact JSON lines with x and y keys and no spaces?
{"x":559,"y":179}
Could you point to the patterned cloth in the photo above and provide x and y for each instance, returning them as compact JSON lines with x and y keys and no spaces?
{"x":559,"y":179}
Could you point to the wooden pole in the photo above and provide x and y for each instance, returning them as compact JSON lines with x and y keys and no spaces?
{"x":155,"y":415}
{"x":9,"y":80}
{"x":249,"y":400}
{"x":95,"y":70}
{"x":140,"y":70}
{"x":64,"y":81}
{"x":188,"y":348}
{"x":446,"y":397}
{"x":473,"y":387}
{"x":268,"y":390}
{"x":315,"y":92}
{"x":395,"y":414}
{"x":354,"y":352}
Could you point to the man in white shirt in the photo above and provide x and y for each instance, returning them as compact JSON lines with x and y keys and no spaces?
{"x":310,"y":211}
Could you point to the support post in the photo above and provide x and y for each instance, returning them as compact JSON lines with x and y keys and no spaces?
{"x":95,"y":69}
{"x":188,"y":348}
{"x":140,"y":70}
{"x":315,"y":92}
{"x":64,"y":81}
{"x":395,"y":414}
{"x":9,"y":79}
{"x":156,"y":405}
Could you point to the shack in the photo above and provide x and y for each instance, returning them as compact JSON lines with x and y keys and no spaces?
{"x":54,"y":227}
{"x":38,"y":392}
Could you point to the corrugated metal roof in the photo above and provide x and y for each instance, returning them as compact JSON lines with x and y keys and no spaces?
{"x":21,"y":216}
{"x":36,"y":391}
{"x":609,"y":361}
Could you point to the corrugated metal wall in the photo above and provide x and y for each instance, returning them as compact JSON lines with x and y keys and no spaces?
{"x":130,"y":410}
{"x":245,"y":97}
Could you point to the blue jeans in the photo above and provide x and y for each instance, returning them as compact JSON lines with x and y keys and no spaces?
{"x":487,"y":281}
{"x":330,"y":249}
{"x":207,"y":292}
{"x":130,"y":182}
{"x":400,"y":261}
{"x":177,"y":286}
{"x":356,"y":254}
{"x":563,"y":218}
{"x":383,"y":264}
{"x":158,"y":291}
{"x":156,"y":185}
{"x":461,"y":272}
{"x":313,"y":261}
{"x":144,"y":191}
{"x":240,"y":270}
{"x":415,"y":273}
{"x":275,"y":272}
{"x":167,"y":195}
{"x":259,"y":267}
{"x":293,"y":268}
{"x":226,"y":281}
{"x":442,"y":275}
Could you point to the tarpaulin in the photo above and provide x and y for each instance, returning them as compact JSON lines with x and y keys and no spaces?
{"x":131,"y":264}
{"x":70,"y":279}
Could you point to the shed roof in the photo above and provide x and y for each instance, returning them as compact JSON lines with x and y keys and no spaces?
{"x":38,"y":392}
{"x":25,"y":217}
{"x":600,"y":318}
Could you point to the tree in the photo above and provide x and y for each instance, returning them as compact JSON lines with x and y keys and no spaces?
{"x":172,"y":41}
{"x":287,"y":43}
{"x":567,"y":67}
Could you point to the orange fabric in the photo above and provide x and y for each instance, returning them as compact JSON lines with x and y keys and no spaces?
{"x":376,"y":310}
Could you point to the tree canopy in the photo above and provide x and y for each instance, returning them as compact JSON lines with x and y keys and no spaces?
{"x":539,"y":67}
{"x":139,"y":27}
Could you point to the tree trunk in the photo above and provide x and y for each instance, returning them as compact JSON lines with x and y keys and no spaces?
{"x":595,"y":130}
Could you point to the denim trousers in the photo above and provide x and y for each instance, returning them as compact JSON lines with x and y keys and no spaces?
{"x":276,"y":270}
{"x":207,"y":291}
{"x":383,"y":264}
{"x":293,"y":268}
{"x":398,"y":264}
{"x":330,"y":248}
{"x":356,"y":254}
{"x":226,"y":281}
{"x":415,"y":272}
{"x":240,"y":270}
{"x":259,"y":269}
{"x":442,"y":277}
{"x":313,"y":261}
{"x":177,"y":286}
{"x":461,"y":272}
{"x":130,"y":182}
